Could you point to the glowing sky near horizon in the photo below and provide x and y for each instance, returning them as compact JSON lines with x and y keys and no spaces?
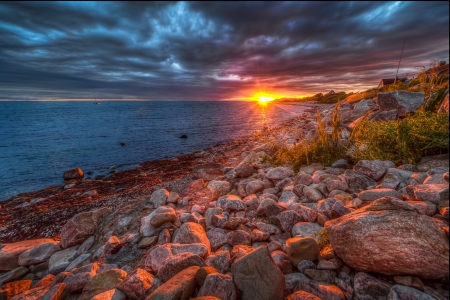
{"x":212,"y":50}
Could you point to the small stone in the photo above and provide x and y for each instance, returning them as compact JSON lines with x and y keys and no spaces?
{"x":320,"y":275}
{"x":147,"y":242}
{"x":306,"y":264}
{"x":303,"y":248}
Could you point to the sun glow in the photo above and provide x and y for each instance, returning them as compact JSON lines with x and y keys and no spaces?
{"x":263,"y":97}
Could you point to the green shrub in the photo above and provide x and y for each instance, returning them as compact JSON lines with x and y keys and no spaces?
{"x":401,"y":141}
{"x":324,"y":149}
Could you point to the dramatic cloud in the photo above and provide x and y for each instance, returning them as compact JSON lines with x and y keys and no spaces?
{"x":212,"y":50}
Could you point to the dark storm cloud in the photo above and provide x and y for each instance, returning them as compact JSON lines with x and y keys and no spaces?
{"x":211,"y":50}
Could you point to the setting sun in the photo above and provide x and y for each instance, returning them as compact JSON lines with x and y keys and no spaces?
{"x":265,"y":99}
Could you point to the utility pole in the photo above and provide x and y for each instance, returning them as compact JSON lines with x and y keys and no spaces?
{"x":395,"y":80}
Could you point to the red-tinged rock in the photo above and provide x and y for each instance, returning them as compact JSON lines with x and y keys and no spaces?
{"x":9,"y":253}
{"x":268,"y":228}
{"x":233,"y":223}
{"x":257,"y":277}
{"x":102,"y":282}
{"x":431,"y":192}
{"x":374,"y":194}
{"x":38,"y":254}
{"x":81,"y":227}
{"x":138,"y":284}
{"x":259,"y":236}
{"x":33,"y":294}
{"x":157,"y":256}
{"x":195,"y":248}
{"x":202,"y":273}
{"x":46,"y":281}
{"x":392,"y":238}
{"x":16,"y":287}
{"x":281,"y":260}
{"x":301,"y":295}
{"x":307,"y":214}
{"x":322,"y":290}
{"x":192,"y":233}
{"x":268,"y":207}
{"x":374,"y":169}
{"x":106,"y":249}
{"x":244,"y":171}
{"x":287,"y":219}
{"x":336,"y":185}
{"x":177,"y":263}
{"x":76,"y":282}
{"x":221,"y":260}
{"x":231,"y":203}
{"x":181,"y":286}
{"x":254,"y":187}
{"x":219,"y":188}
{"x":57,"y":292}
{"x":217,"y":237}
{"x":220,"y":286}
{"x":239,"y":237}
{"x":425,"y":207}
{"x":162,"y":215}
{"x":303,"y":248}
{"x":73,"y":174}
{"x":358,"y":182}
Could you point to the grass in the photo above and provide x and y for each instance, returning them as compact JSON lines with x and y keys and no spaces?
{"x":402,"y":141}
{"x":324,"y":149}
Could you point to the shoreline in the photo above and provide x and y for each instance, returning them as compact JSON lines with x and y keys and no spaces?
{"x":48,"y":209}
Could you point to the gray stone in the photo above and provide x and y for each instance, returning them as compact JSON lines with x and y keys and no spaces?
{"x":87,"y":244}
{"x":326,"y":276}
{"x":342,"y":164}
{"x":403,"y":101}
{"x":357,"y":181}
{"x":374,"y":169}
{"x":77,"y":261}
{"x":219,"y":188}
{"x":305,"y":229}
{"x":368,"y":287}
{"x":374,"y":194}
{"x":13,"y":275}
{"x":231,"y":203}
{"x":38,"y":254}
{"x":244,"y":171}
{"x":220,"y":286}
{"x":431,"y":192}
{"x":159,"y":198}
{"x":278,"y":173}
{"x":399,"y":292}
{"x":306,"y":264}
{"x":59,"y":261}
{"x":312,"y":194}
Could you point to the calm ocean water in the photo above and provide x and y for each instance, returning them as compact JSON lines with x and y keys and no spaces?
{"x":39,"y":140}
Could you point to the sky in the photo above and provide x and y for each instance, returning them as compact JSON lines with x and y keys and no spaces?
{"x":212,"y":50}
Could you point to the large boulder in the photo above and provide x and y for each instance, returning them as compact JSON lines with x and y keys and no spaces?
{"x":402,"y":101}
{"x":391,"y":238}
{"x":81,"y":226}
{"x":181,"y":286}
{"x":257,"y":277}
{"x":9,"y":253}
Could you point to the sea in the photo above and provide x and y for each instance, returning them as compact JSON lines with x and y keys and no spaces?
{"x":40,"y":140}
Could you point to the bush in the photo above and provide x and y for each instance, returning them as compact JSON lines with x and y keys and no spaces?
{"x":324,"y":149}
{"x":401,"y":141}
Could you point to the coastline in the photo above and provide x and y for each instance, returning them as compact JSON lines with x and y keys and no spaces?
{"x":50,"y":208}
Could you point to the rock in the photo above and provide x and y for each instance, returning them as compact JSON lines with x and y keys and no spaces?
{"x":231,"y":203}
{"x":268,"y":207}
{"x":307,"y":214}
{"x":106,"y":249}
{"x":298,"y":281}
{"x":259,"y":236}
{"x":56,"y":292}
{"x":367,"y":287}
{"x":332,"y":264}
{"x":287,"y":219}
{"x":303,"y":178}
{"x":301,"y":295}
{"x":390,"y":181}
{"x":113,"y":294}
{"x":147,"y":242}
{"x":301,"y":248}
{"x":81,"y":226}
{"x":202,"y":273}
{"x":278,"y":173}
{"x":390,"y":228}
{"x":9,"y":253}
{"x":445,"y":176}
{"x":220,"y":286}
{"x":60,"y":260}
{"x":244,"y":171}
{"x":288,"y":196}
{"x":374,"y":194}
{"x":404,"y":292}
{"x":159,"y":198}
{"x":254,"y":187}
{"x":431,"y":192}
{"x":138,"y":284}
{"x":401,"y":101}
{"x":217,"y":237}
{"x":268,"y":228}
{"x":220,"y":260}
{"x":219,"y":188}
{"x":409,"y":281}
{"x":210,"y":212}
{"x":425,"y":207}
{"x":209,"y":171}
{"x":77,"y":261}
{"x":311,"y":168}
{"x":73,"y":174}
{"x":312,"y":194}
{"x":38,"y":254}
{"x":173,"y":265}
{"x":157,"y":256}
{"x":435,"y":179}
{"x":13,"y":275}
{"x":257,"y":277}
{"x":181,"y":286}
{"x":192,"y":233}
{"x":357,"y":181}
{"x":333,"y":185}
{"x":374,"y":169}
{"x":162,"y":215}
{"x":326,"y":276}
{"x":305,"y":265}
{"x":102,"y":282}
{"x":16,"y":288}
{"x":305,"y":229}
{"x":341,"y":164}
{"x":282,"y":261}
{"x":239,"y":237}
{"x":87,"y":244}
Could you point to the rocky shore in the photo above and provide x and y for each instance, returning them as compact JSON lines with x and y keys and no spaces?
{"x":224,"y":223}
